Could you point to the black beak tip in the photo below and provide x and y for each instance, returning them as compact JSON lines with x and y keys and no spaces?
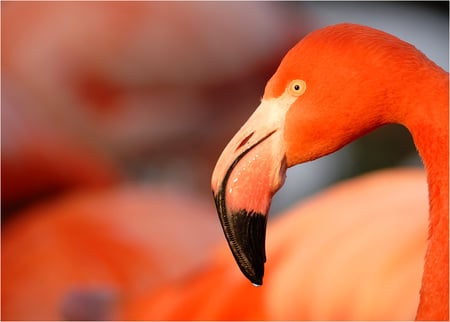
{"x":245,"y":232}
{"x":254,"y":272}
{"x":257,"y":280}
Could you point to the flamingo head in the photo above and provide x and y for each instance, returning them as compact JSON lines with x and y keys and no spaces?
{"x":318,"y":100}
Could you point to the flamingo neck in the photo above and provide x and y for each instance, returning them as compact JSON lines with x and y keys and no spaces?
{"x":428,"y":123}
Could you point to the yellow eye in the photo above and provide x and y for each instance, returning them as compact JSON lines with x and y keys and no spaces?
{"x":297,"y":87}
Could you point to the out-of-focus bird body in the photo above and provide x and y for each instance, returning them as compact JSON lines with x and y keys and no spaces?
{"x":331,"y":257}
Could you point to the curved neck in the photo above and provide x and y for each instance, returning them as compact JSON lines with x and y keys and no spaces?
{"x":426,"y":114}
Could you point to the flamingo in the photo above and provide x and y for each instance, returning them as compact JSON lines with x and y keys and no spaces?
{"x":79,"y":256}
{"x":335,"y":85}
{"x":331,"y":270}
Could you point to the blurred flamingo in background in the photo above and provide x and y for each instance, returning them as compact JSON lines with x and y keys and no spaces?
{"x":335,"y":85}
{"x":82,"y":256}
{"x":331,"y":258}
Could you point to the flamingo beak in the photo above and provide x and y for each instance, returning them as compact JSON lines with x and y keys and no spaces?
{"x":250,"y":170}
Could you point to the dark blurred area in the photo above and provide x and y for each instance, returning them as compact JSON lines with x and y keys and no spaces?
{"x":98,"y":97}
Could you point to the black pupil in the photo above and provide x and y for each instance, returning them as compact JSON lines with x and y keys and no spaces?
{"x":296,"y":87}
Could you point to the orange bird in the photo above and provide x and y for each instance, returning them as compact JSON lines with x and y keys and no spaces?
{"x":355,"y":262}
{"x":335,"y":85}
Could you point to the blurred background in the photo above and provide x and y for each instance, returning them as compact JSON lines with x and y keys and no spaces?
{"x":113,"y":116}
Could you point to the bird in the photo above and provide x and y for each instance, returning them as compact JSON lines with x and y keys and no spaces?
{"x":80,"y":255}
{"x":369,"y":257}
{"x":335,"y":85}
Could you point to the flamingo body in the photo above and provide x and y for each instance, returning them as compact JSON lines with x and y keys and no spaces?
{"x":83,"y":255}
{"x":331,"y":258}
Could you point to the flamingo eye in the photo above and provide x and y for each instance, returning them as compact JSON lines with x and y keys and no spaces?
{"x":297,"y":87}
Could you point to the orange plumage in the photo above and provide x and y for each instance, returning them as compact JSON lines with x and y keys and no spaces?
{"x":356,"y":79}
{"x":81,"y":256}
{"x":331,"y":257}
